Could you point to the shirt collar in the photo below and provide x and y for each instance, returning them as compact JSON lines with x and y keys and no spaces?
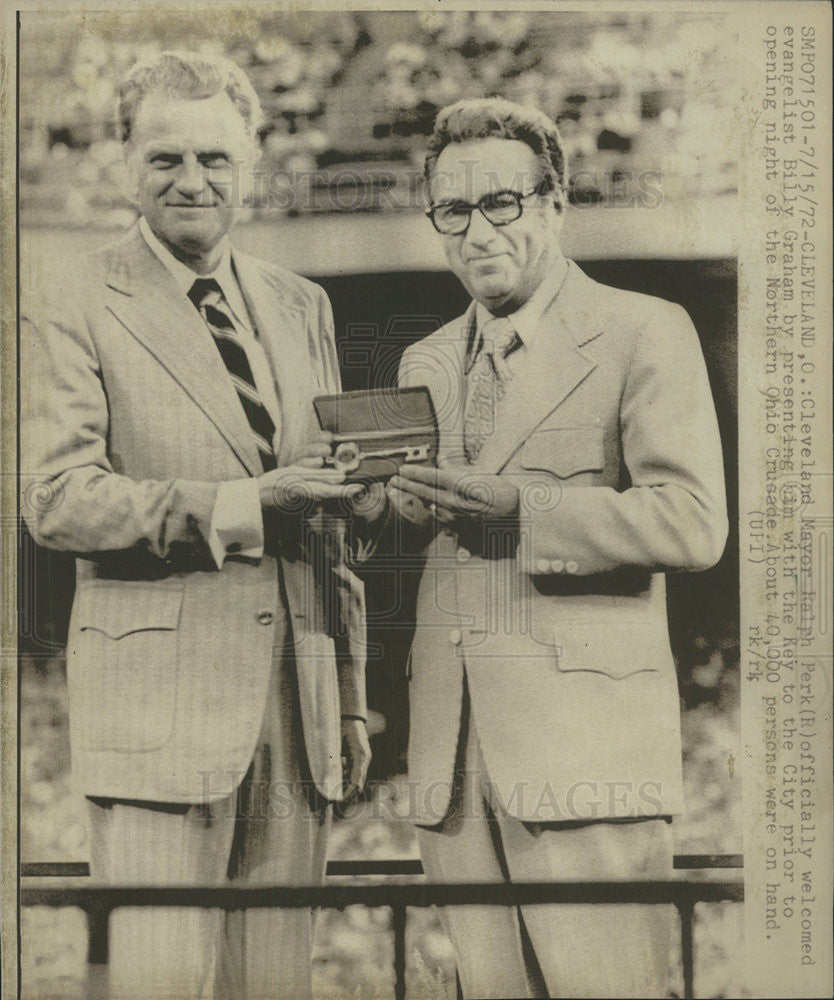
{"x":525,"y":320}
{"x":223,"y":274}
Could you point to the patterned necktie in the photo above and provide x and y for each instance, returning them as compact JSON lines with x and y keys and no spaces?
{"x":487,"y":384}
{"x":206,"y":295}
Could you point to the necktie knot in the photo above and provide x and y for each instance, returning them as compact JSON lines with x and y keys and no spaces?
{"x":498,"y":337}
{"x":202,"y":289}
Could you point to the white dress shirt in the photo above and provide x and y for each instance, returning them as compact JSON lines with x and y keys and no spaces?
{"x":237,"y":519}
{"x":525,"y":320}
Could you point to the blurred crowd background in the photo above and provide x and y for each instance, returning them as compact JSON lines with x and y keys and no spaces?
{"x":644,"y":102}
{"x":349,"y":98}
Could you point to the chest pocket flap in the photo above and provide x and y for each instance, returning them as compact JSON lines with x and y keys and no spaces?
{"x":564,"y":451}
{"x":118,"y":611}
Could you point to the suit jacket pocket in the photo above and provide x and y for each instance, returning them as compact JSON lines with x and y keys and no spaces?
{"x":122,"y":666}
{"x":118,"y":609}
{"x":565,"y":452}
{"x":616,"y":650}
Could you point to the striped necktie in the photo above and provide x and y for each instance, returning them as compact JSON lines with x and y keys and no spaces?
{"x":207,"y":296}
{"x":487,"y":384}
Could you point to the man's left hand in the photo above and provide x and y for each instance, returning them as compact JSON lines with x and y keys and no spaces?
{"x":357,"y":757}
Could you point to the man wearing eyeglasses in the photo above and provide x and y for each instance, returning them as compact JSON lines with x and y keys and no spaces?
{"x":579,"y":462}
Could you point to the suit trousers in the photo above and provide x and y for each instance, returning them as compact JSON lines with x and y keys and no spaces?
{"x":572,"y":950}
{"x":271,"y":829}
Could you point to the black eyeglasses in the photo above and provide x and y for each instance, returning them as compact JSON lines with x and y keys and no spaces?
{"x":451,"y":218}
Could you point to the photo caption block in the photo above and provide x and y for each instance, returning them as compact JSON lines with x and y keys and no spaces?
{"x":785,"y":499}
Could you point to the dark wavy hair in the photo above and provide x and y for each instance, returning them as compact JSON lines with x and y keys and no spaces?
{"x":188,"y":75}
{"x":488,"y":117}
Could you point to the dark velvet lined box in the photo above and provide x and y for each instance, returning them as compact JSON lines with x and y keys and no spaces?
{"x":377,"y":430}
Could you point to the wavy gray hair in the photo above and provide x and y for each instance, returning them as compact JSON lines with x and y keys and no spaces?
{"x":488,"y":117}
{"x":189,"y":75}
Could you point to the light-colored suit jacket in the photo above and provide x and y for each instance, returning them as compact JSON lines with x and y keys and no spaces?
{"x":609,"y":430}
{"x":130,"y":422}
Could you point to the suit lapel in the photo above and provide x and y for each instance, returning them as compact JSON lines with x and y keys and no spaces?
{"x":442,"y":369}
{"x":281,"y":328}
{"x":548,"y":371}
{"x":151,"y":306}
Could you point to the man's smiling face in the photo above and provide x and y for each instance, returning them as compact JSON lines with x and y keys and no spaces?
{"x":187,"y":158}
{"x":500,"y":266}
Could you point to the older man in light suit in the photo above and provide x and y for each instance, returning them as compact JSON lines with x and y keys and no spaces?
{"x":168,"y":414}
{"x":580,"y":462}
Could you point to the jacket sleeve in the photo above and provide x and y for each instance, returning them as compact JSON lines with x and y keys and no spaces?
{"x":73,"y":499}
{"x":672,"y":515}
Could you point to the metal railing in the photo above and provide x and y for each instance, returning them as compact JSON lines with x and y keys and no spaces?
{"x":99,"y":902}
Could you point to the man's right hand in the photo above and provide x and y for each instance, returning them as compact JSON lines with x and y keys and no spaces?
{"x":408,"y":506}
{"x":294,"y":487}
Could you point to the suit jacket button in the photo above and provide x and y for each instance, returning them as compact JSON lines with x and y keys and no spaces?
{"x":265,"y":617}
{"x":542,"y":566}
{"x":571,"y":566}
{"x":463,"y":554}
{"x":557,"y":566}
{"x":456,"y":637}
